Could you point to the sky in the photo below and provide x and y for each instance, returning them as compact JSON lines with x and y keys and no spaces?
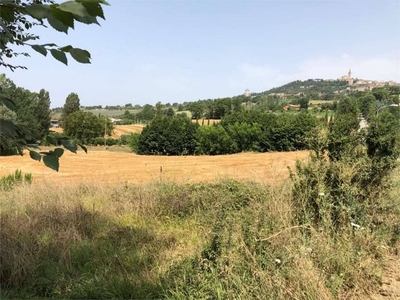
{"x":177,"y":51}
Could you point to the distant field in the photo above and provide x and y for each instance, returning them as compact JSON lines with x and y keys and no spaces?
{"x":111,"y":113}
{"x":118,"y":130}
{"x":104,"y":166}
{"x":315,"y":102}
{"x":127,"y":129}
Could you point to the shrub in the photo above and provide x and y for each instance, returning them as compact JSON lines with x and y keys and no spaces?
{"x":133,"y":141}
{"x":168,"y":136}
{"x":85,"y":126}
{"x":214,"y":140}
{"x":8,"y":182}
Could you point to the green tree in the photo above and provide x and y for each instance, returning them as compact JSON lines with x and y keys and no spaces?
{"x":169,"y":112}
{"x":367,"y":104}
{"x":343,"y":136}
{"x":15,"y":30}
{"x":7,"y":144}
{"x":42,"y":112}
{"x":304,"y":103}
{"x":72,"y":104}
{"x":214,"y":140}
{"x":245,"y":136}
{"x":168,"y":136}
{"x":197,"y":110}
{"x":106,"y":124}
{"x":83,"y":126}
{"x":147,"y":113}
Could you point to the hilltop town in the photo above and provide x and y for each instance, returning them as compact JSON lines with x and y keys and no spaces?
{"x":325,"y":89}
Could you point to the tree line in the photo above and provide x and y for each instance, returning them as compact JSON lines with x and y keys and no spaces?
{"x":237,"y":132}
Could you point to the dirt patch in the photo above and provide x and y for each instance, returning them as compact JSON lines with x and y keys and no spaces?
{"x":111,"y":167}
{"x":390,"y":289}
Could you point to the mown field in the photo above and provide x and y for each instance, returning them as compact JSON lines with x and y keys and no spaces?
{"x":100,"y":165}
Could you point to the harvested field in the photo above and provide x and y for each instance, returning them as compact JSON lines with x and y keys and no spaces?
{"x":118,"y":130}
{"x":127,"y":129}
{"x":207,"y":121}
{"x":112,"y":167}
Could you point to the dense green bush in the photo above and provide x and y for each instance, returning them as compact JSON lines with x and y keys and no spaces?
{"x":133,"y":141}
{"x":344,"y":189}
{"x":270,"y":132}
{"x":166,"y":135}
{"x":245,"y":136}
{"x":214,"y":140}
{"x":85,"y":126}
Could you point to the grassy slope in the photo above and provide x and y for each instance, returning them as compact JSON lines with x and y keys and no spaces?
{"x":155,"y":240}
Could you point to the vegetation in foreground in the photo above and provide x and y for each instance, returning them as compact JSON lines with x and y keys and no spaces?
{"x":197,"y":241}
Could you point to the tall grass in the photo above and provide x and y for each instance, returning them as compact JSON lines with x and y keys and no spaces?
{"x":183,"y":241}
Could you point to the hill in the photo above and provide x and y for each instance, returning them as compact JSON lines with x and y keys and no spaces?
{"x":310,"y":86}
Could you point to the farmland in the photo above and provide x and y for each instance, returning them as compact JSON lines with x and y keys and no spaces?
{"x":99,"y":165}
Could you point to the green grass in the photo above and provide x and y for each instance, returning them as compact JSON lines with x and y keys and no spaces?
{"x":181,"y":241}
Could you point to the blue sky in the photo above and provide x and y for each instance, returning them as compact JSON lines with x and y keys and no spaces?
{"x":176,"y":51}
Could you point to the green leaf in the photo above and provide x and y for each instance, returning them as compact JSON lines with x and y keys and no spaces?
{"x":94,"y":1}
{"x":8,"y":103}
{"x":19,"y":149}
{"x":50,"y":45}
{"x":51,"y":161}
{"x":34,"y":155}
{"x":88,"y":20}
{"x":38,"y":11}
{"x":74,"y":8}
{"x":57,"y":25}
{"x":6,"y":32}
{"x":51,"y":140}
{"x":8,"y":128}
{"x":39,"y":48}
{"x":80,"y":55}
{"x":83,"y":148}
{"x":66,"y":48}
{"x":64,"y":17}
{"x":70,"y":145}
{"x":57,"y":152}
{"x":7,"y":14}
{"x":60,"y":56}
{"x":94,"y":9}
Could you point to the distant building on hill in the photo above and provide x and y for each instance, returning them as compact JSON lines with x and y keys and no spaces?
{"x":348,"y":78}
{"x":247,"y":93}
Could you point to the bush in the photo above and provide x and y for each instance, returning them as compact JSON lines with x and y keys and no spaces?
{"x":245,"y":136}
{"x":133,"y":141}
{"x":85,"y":126}
{"x":124,"y":139}
{"x":168,"y":136}
{"x":8,"y":182}
{"x":214,"y":140}
{"x":345,"y":188}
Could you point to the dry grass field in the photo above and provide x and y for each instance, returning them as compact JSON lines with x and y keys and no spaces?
{"x":118,"y":130}
{"x":127,"y":129}
{"x":100,"y":165}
